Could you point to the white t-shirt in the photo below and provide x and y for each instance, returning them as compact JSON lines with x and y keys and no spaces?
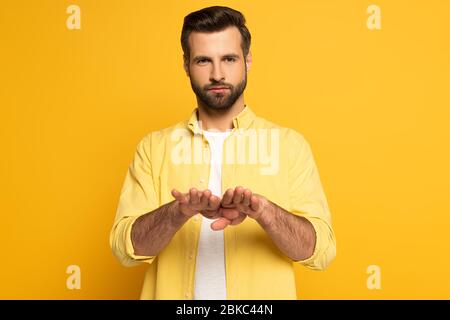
{"x":210,"y":282}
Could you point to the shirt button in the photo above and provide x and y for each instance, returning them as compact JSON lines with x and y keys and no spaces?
{"x":202,"y":180}
{"x":187,"y":295}
{"x":191,"y":256}
{"x":195,"y":219}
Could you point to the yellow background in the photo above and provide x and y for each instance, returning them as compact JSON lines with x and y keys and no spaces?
{"x":374,"y":104}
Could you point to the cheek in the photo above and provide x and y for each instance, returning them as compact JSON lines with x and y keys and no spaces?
{"x":200,"y":75}
{"x":236,"y":73}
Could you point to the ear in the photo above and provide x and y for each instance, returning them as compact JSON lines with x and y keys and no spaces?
{"x":186,"y":65}
{"x":248,"y":60}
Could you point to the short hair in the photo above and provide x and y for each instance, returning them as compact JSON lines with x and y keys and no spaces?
{"x":212,"y":19}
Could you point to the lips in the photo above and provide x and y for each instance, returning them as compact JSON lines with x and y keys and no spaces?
{"x":218,"y":89}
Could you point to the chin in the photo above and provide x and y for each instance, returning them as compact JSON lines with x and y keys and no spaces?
{"x":219,"y":107}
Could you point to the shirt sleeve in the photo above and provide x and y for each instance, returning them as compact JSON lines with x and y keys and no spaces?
{"x":138,"y":196}
{"x":308,"y":200}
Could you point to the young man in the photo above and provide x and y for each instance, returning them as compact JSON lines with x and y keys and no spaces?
{"x":222,"y":205}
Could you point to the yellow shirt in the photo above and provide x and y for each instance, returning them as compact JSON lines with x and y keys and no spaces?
{"x":270,"y":160}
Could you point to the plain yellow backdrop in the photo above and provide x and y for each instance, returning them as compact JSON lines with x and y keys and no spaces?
{"x":374,"y":104}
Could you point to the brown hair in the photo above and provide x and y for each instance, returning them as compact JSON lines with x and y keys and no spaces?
{"x":211,"y":19}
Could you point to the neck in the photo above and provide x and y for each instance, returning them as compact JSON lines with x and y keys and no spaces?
{"x":221,"y":120}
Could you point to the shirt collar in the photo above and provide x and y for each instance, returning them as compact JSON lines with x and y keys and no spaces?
{"x":241,"y":121}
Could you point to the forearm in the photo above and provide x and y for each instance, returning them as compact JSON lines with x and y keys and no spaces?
{"x":151,"y":232}
{"x":293,"y":235}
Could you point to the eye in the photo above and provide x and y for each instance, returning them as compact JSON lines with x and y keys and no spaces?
{"x":202,"y":61}
{"x":230,"y":59}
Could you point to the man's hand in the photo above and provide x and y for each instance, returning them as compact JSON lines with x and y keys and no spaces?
{"x":196,"y":201}
{"x":294,"y":235}
{"x":236,"y":205}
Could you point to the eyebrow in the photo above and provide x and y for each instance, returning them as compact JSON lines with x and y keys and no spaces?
{"x":230,"y":55}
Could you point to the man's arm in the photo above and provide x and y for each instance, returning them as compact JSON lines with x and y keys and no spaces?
{"x":152,"y":231}
{"x":302,"y":232}
{"x":293,"y":235}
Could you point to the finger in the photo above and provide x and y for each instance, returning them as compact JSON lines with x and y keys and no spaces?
{"x":194,"y":197}
{"x":254,"y":203}
{"x":238,"y":192}
{"x":238,"y":220}
{"x":211,"y":214}
{"x":229,"y":214}
{"x":247,"y":196}
{"x":179,"y":196}
{"x":220,"y":224}
{"x":175,"y":193}
{"x":214,"y":202}
{"x":227,"y":197}
{"x":205,"y":198}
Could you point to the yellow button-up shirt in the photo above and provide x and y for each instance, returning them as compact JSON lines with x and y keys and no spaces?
{"x":270,"y":160}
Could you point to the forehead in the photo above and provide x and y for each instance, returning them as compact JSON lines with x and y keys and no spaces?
{"x":213,"y":43}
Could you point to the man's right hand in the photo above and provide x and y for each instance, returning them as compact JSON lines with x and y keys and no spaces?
{"x":196,"y":201}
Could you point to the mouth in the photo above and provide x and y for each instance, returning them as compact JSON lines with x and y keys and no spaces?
{"x":219,"y":89}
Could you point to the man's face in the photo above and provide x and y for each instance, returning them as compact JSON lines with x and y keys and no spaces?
{"x":217,"y":68}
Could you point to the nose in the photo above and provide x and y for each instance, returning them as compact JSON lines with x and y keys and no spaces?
{"x":216,"y":73}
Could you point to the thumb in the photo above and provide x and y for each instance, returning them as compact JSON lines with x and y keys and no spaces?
{"x":220,"y":224}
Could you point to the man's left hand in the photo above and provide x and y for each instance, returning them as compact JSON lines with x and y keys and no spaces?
{"x":237,"y":204}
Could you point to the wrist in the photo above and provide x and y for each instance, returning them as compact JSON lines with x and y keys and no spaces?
{"x":178,"y":218}
{"x":267,"y":212}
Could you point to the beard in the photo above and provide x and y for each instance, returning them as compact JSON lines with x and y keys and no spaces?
{"x":219,"y":101}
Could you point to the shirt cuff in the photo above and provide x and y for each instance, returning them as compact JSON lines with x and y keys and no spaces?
{"x":310,"y":261}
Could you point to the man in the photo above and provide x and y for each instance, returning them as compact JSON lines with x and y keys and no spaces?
{"x":222,"y":205}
